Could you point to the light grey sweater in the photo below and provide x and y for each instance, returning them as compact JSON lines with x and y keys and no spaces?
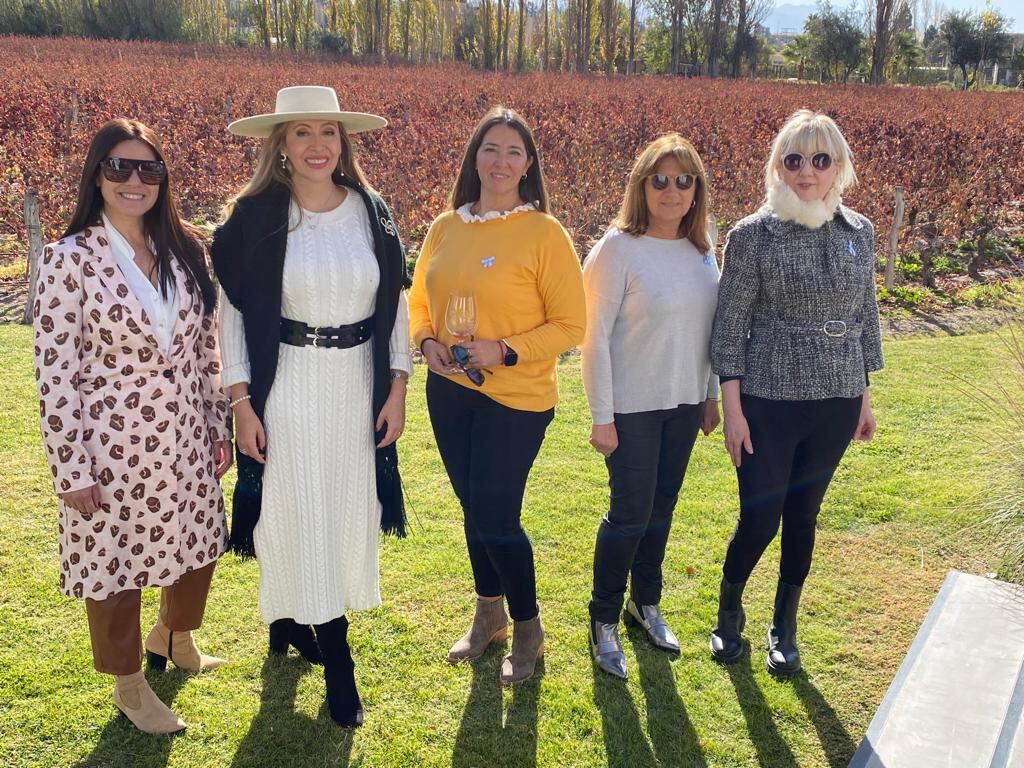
{"x":650,"y":307}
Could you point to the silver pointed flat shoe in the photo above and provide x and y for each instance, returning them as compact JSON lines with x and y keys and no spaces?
{"x":650,"y":618}
{"x":606,"y":648}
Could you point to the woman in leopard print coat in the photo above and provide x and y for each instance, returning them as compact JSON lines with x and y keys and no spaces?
{"x":134,"y":420}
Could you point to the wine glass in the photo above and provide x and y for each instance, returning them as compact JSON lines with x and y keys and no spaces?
{"x":460,"y":317}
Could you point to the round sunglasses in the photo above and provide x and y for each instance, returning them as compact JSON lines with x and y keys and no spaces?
{"x":820,"y":161}
{"x":683,"y":181}
{"x":119,"y":170}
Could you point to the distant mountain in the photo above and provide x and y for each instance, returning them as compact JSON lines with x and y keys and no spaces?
{"x":788,"y":18}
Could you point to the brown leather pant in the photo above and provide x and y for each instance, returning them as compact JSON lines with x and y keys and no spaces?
{"x":114,"y":622}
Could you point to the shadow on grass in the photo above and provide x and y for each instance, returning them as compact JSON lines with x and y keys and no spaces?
{"x":770,"y":746}
{"x":483,"y":737}
{"x":671,"y":732}
{"x":624,"y":739}
{"x":280,"y":736}
{"x":834,"y":738}
{"x":120,"y":740}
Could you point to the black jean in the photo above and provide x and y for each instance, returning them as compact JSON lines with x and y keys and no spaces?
{"x":488,"y":450}
{"x":645,"y":474}
{"x":797,"y":448}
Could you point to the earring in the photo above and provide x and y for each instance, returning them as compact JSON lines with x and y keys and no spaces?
{"x":284,"y":161}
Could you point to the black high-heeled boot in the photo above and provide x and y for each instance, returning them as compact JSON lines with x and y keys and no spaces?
{"x":783,"y":655}
{"x":726,"y":642}
{"x":285,"y":632}
{"x":339,"y":673}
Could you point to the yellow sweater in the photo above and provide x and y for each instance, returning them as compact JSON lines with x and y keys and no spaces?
{"x":528,"y":285}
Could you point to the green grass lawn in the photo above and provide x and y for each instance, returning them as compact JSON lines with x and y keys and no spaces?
{"x":890,"y":528}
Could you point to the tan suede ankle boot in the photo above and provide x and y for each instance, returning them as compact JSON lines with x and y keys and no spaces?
{"x":527,"y":647}
{"x":163,"y":644}
{"x":490,"y":625}
{"x":134,"y":697}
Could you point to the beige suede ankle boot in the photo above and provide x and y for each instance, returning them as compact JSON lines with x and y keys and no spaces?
{"x":163,"y":644}
{"x":527,"y":647}
{"x":134,"y":697}
{"x":490,"y":625}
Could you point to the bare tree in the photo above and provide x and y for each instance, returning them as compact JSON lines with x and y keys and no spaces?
{"x":521,"y":37}
{"x":631,"y":67}
{"x":885,"y":13}
{"x":609,"y":32}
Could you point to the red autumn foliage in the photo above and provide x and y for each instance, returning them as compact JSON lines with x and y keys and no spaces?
{"x":958,"y":156}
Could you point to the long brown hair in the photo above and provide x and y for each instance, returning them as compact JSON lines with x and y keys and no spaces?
{"x":171,"y":235}
{"x":633,"y":215}
{"x":270,"y":170}
{"x":467,"y":185}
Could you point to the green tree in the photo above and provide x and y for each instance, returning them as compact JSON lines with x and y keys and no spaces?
{"x":836,"y":41}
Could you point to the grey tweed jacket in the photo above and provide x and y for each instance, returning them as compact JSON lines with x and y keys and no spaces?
{"x":797,"y":316}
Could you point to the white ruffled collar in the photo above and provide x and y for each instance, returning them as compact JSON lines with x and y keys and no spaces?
{"x":788,"y":207}
{"x":469,"y":218}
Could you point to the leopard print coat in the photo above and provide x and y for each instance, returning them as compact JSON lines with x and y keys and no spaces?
{"x":114,"y":410}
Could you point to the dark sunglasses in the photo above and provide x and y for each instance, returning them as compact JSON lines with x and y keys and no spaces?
{"x":461,"y":357}
{"x":119,"y":170}
{"x":683,"y":181}
{"x":820,"y":161}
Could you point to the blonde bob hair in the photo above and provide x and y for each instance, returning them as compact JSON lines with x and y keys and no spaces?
{"x":633,"y":216}
{"x":270,"y":169}
{"x":807,"y":133}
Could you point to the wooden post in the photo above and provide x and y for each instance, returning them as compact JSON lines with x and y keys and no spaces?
{"x":35,"y":248}
{"x":894,"y":237}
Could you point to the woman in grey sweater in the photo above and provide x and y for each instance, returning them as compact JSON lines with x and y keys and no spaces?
{"x":796,"y":333}
{"x":651,"y":285}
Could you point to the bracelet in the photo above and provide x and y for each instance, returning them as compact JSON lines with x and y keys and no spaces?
{"x":429,"y":338}
{"x":243,"y":398}
{"x":399,"y":375}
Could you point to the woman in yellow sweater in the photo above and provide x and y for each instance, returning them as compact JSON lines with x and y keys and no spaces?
{"x":498,"y":243}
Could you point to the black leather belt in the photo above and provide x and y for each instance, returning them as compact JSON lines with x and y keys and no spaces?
{"x":344,"y":336}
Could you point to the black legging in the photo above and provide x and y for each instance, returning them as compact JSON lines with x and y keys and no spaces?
{"x":797,"y":447}
{"x":645,"y":474}
{"x":488,"y":450}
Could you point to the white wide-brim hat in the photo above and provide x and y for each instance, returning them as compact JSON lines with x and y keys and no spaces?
{"x":306,"y":102}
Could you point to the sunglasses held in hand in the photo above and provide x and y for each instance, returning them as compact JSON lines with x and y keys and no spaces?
{"x":119,"y":170}
{"x":461,"y":356}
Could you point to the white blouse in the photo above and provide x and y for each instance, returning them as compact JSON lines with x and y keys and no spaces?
{"x":232,"y":330}
{"x":161,"y":311}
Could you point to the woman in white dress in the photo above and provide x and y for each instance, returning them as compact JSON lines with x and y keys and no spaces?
{"x":316,"y":353}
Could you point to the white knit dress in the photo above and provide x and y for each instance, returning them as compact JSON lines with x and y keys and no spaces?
{"x":316,"y":540}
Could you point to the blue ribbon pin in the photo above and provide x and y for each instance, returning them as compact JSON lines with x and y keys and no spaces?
{"x":487,"y":262}
{"x":850,"y":248}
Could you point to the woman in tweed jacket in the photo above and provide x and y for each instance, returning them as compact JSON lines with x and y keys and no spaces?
{"x":795,"y":334}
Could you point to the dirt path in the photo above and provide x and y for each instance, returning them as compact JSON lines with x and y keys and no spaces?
{"x":896,"y":323}
{"x":13,"y":293}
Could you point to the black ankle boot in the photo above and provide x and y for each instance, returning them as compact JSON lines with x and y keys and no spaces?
{"x":339,"y":673}
{"x":726,"y":642}
{"x":783,"y":655}
{"x":285,"y":632}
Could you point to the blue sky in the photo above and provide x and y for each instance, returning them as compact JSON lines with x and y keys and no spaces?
{"x":789,"y":14}
{"x":1012,"y":8}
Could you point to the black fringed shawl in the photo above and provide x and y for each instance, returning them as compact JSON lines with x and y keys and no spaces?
{"x":248,"y":256}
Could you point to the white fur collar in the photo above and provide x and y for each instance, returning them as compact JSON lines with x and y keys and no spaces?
{"x":789,"y":207}
{"x":467,"y":216}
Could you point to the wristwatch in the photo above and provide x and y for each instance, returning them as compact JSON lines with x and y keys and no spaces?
{"x":511,"y":357}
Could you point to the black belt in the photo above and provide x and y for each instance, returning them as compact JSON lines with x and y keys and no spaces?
{"x":344,"y":336}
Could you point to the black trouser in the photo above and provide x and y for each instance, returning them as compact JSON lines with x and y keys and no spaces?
{"x":645,"y":474}
{"x":488,"y":450}
{"x":797,"y":447}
